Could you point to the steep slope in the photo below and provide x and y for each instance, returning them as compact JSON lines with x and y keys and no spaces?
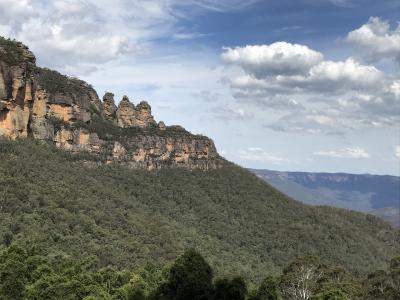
{"x":126,"y":217}
{"x":379,"y":195}
{"x":43,"y":104}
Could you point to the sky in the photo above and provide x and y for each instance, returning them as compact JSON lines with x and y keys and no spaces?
{"x":305,"y":85}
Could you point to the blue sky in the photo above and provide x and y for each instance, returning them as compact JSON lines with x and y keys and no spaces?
{"x":310,"y":85}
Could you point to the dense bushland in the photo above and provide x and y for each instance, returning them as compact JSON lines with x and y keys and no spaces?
{"x":26,"y":274}
{"x":72,"y":206}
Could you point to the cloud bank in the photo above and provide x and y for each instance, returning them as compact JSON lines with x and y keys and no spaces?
{"x":356,"y":152}
{"x":320,"y":95}
{"x":78,"y":36}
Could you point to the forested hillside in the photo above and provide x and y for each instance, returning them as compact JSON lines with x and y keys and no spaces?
{"x":71,"y":205}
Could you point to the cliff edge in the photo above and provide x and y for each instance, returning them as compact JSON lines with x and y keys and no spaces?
{"x":67,"y":112}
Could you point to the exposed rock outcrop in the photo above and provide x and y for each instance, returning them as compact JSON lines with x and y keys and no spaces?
{"x":67,"y":112}
{"x":155,"y":152}
{"x":78,"y":140}
{"x":109,"y":107}
{"x":130,"y":116}
{"x":161,"y":125}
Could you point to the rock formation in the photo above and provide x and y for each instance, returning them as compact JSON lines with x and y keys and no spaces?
{"x":67,"y":112}
{"x":127,"y":115}
{"x":109,"y":107}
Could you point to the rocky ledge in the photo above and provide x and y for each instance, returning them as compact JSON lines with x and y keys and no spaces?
{"x":67,"y":112}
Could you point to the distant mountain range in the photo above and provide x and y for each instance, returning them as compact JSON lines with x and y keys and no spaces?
{"x":375,"y":194}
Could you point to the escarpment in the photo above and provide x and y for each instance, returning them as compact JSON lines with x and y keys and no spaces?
{"x":67,"y":112}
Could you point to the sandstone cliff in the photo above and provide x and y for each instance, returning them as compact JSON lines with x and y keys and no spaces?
{"x":67,"y":112}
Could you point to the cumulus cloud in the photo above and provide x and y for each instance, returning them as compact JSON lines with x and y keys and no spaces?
{"x":395,"y":89}
{"x":320,"y":96}
{"x":12,"y":12}
{"x":355,"y":152}
{"x":279,"y":58}
{"x":342,"y":113}
{"x":259,"y":154}
{"x":326,"y":76}
{"x":74,"y":36}
{"x":347,"y":74}
{"x":375,"y":40}
{"x":397,"y":151}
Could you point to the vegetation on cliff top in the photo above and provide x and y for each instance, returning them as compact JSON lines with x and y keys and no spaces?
{"x":108,"y":131}
{"x":128,"y":217}
{"x":57,"y":83}
{"x":10,"y":52}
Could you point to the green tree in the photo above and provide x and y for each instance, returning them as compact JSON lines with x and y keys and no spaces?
{"x":142,"y":284}
{"x":230,"y":289}
{"x":338,"y":279}
{"x":268,"y":290}
{"x":7,"y":239}
{"x":384,"y":285}
{"x":331,"y":295}
{"x":190,"y":277}
{"x":395,"y":277}
{"x":376,"y":285}
{"x":13,"y":273}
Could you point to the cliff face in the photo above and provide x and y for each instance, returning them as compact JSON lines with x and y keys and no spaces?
{"x":43,"y":104}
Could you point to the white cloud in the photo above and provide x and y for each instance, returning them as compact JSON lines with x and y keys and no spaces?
{"x":397,"y":151}
{"x":322,"y":77}
{"x":265,"y":100}
{"x":321,"y":96}
{"x":395,"y":88}
{"x":12,"y":12}
{"x":76,"y":36}
{"x":222,"y":5}
{"x":259,"y":154}
{"x":338,"y":114}
{"x":343,"y":74}
{"x":313,"y":122}
{"x":375,"y":40}
{"x":355,"y":152}
{"x":279,"y":58}
{"x":71,"y":34}
{"x":342,"y":3}
{"x":229,"y":112}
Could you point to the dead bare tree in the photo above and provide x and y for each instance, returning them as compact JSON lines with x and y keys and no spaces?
{"x":301,"y":284}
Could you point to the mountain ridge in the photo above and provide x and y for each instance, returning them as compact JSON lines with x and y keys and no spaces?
{"x":375,"y":194}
